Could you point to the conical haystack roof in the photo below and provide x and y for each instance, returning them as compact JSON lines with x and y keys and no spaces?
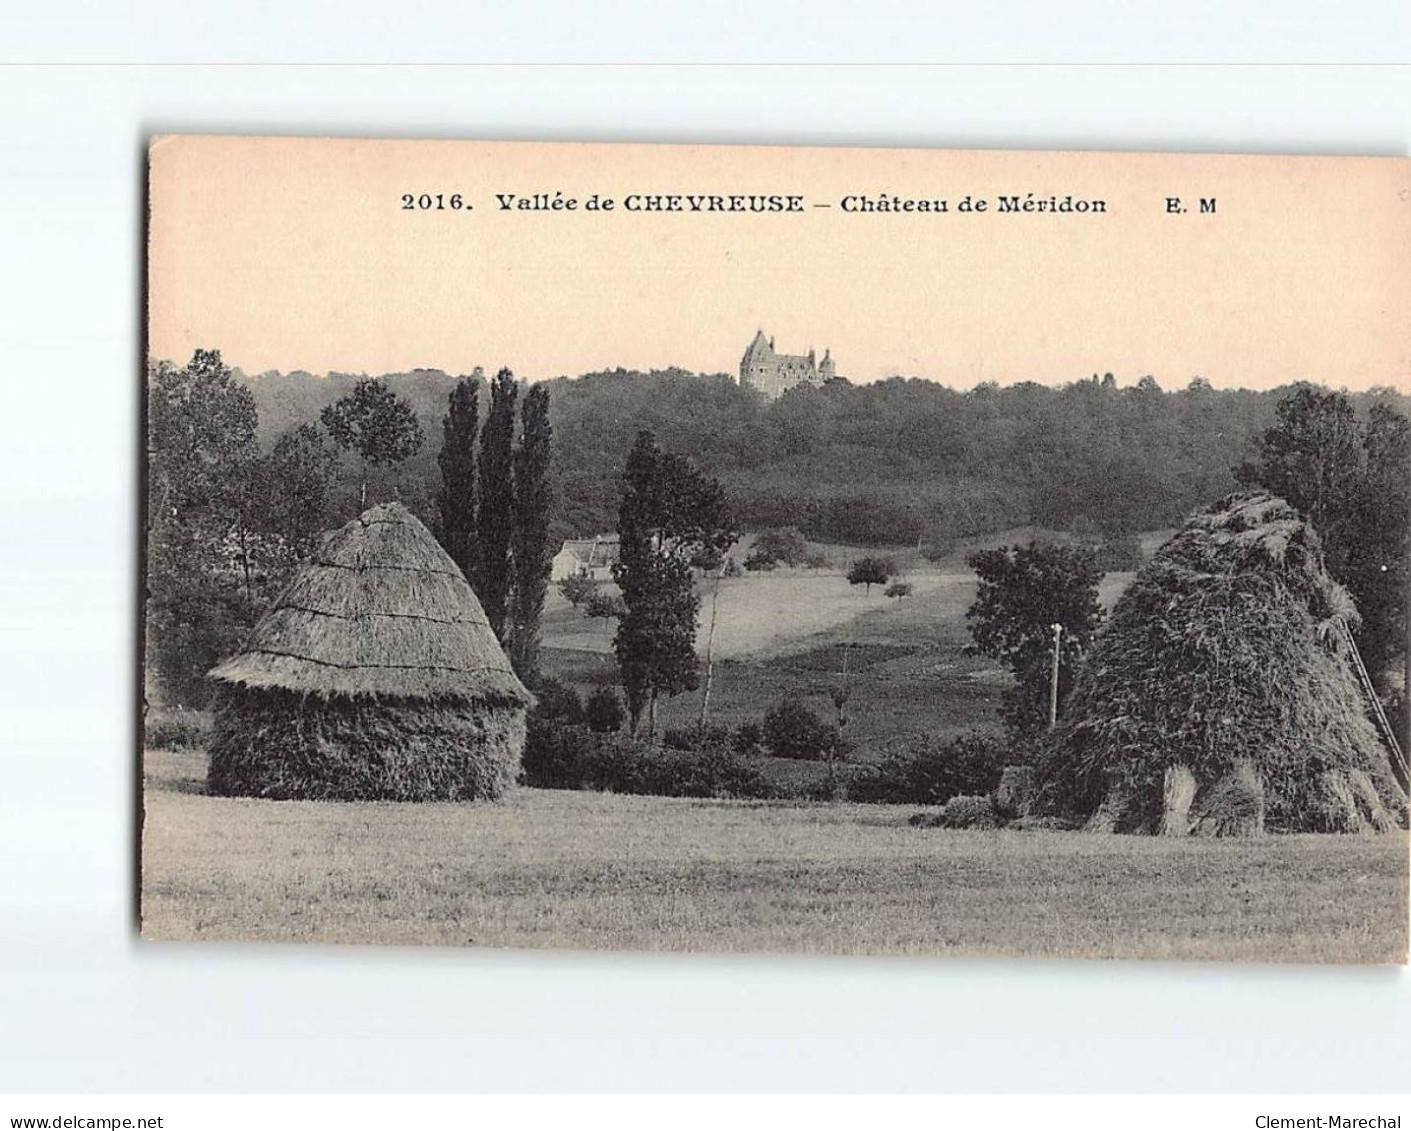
{"x":381,"y":610}
{"x":1227,"y":661}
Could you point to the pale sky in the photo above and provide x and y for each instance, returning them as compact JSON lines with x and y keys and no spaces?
{"x":296,"y":254}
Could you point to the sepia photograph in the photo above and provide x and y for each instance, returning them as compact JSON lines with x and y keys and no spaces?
{"x":779,"y":550}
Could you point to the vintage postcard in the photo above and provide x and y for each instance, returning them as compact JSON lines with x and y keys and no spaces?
{"x":826,"y":550}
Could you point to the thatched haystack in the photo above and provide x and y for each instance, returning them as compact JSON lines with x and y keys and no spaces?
{"x":1220,"y":699}
{"x":375,"y":676}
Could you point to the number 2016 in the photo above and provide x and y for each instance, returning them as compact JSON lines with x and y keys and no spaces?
{"x":426,"y":202}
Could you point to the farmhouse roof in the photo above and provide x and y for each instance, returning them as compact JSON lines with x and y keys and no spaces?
{"x":596,"y":552}
{"x":381,"y":610}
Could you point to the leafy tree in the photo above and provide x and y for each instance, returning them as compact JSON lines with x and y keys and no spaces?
{"x":577,"y":589}
{"x":669,"y":514}
{"x":787,"y":546}
{"x":201,"y":462}
{"x":530,"y":551}
{"x":871,"y":571}
{"x":376,"y":423}
{"x":1353,"y":483}
{"x":200,"y":425}
{"x":492,"y":579}
{"x":603,"y":711}
{"x":1023,"y":591}
{"x":1379,"y":541}
{"x":296,"y":479}
{"x":1312,"y":456}
{"x":456,"y":498}
{"x":282,"y":512}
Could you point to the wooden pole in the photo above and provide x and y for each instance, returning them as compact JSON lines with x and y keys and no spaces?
{"x":710,"y":647}
{"x":1053,"y":678}
{"x":840,"y":701}
{"x":1378,"y":713}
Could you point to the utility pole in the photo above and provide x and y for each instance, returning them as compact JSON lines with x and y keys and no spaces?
{"x":1053,"y":678}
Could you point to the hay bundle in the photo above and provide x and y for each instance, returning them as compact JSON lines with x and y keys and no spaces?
{"x":375,"y":676}
{"x":1015,"y":790}
{"x":1177,"y":796}
{"x":1233,"y":806}
{"x":1223,"y":662}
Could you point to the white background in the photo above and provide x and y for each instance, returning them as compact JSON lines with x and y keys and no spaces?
{"x":85,"y":1006}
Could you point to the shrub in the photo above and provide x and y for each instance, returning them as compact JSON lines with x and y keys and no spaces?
{"x":758,"y":562}
{"x":696,"y":738}
{"x":931,"y":772}
{"x":791,"y":730}
{"x":749,"y":739}
{"x":619,"y":763}
{"x":555,"y":753}
{"x":175,"y":728}
{"x":710,"y":771}
{"x":556,"y":700}
{"x":601,"y":604}
{"x":732,"y":568}
{"x":604,"y":712}
{"x":577,"y":589}
{"x":572,"y":756}
{"x":899,"y":589}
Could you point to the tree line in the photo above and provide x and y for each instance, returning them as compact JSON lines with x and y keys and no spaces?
{"x":900,"y":462}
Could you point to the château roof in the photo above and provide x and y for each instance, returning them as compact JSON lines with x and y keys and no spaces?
{"x":760,"y":347}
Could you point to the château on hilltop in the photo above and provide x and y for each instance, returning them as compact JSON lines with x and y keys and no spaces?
{"x":773,"y":374}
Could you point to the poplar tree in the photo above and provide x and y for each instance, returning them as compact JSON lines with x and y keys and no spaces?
{"x":456,"y":497}
{"x":494,"y":521}
{"x":670,"y":517}
{"x":530,"y":553}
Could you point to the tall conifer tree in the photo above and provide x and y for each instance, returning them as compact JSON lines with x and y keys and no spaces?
{"x":494,"y":522}
{"x":456,"y":498}
{"x":530,"y":556}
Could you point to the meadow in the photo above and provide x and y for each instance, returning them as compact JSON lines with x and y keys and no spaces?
{"x":784,"y":634}
{"x":601,"y":871}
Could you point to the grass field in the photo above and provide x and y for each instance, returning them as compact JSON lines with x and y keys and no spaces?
{"x":552,"y":869}
{"x":779,"y":634}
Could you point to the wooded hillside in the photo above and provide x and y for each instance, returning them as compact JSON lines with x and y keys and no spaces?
{"x":900,"y":461}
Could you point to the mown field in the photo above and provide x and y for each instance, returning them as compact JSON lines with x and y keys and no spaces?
{"x":599,"y":871}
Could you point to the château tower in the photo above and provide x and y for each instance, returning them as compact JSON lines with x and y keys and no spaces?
{"x":773,"y":374}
